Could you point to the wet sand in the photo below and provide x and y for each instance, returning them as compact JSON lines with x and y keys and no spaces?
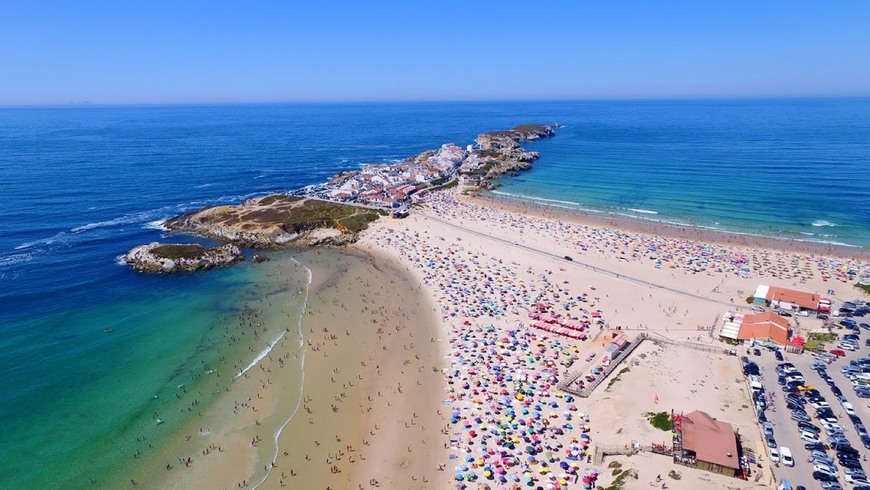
{"x":373,"y":387}
{"x":372,"y":376}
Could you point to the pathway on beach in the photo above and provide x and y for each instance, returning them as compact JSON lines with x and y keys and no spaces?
{"x":577,"y":263}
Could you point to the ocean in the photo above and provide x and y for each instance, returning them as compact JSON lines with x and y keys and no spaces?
{"x":94,"y":354}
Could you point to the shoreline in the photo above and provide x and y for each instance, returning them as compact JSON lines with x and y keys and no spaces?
{"x":392,"y":332}
{"x":353,"y":412}
{"x":670,"y":230}
{"x":367,"y":328}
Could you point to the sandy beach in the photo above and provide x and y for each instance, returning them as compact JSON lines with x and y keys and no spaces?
{"x":369,"y":358}
{"x":423,"y":367}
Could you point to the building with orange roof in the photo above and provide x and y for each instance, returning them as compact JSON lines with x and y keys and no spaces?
{"x":707,"y":443}
{"x":765,"y":326}
{"x":786,"y":298}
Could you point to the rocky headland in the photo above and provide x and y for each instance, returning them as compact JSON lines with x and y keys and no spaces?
{"x":334,"y":213}
{"x":166,"y":258}
{"x":278,"y":221}
{"x":499,"y":152}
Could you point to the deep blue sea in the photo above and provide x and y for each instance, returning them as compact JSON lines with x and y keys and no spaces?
{"x":79,"y":186}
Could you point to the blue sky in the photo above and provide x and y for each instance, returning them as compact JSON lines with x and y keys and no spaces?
{"x":113,"y":52}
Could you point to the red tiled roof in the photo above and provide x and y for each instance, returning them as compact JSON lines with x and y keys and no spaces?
{"x":711,"y":440}
{"x":800,"y":298}
{"x":764,"y":326}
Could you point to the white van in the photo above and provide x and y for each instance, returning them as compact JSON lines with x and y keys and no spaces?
{"x":774,"y":455}
{"x":785,"y":456}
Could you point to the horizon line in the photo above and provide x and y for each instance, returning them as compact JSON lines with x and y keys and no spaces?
{"x":82,"y":104}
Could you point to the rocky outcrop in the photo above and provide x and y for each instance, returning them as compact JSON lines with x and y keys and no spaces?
{"x":278,"y":221}
{"x":499,"y":152}
{"x":176,"y":257}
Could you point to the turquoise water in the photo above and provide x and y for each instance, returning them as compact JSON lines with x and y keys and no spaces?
{"x":82,"y":185}
{"x":797,"y":169}
{"x":94,"y":393}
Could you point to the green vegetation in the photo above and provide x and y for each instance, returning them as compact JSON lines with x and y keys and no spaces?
{"x":529,"y":127}
{"x":660,"y":420}
{"x":749,"y":299}
{"x":279,"y":198}
{"x":812,"y":345}
{"x":621,"y":476}
{"x":484,"y":169}
{"x":490,"y":154}
{"x":296,"y":217}
{"x":615,"y":378}
{"x":175,"y":252}
{"x":357,"y":222}
{"x":863,"y":287}
{"x":823,"y":337}
{"x":614,"y":464}
{"x":452,"y":183}
{"x":676,"y":475}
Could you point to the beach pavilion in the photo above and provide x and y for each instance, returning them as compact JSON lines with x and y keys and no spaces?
{"x":787,"y":299}
{"x":761,"y":327}
{"x":707,"y":443}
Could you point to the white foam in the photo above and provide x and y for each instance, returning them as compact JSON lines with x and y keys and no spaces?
{"x":122,"y":220}
{"x":120,"y":260}
{"x":556,"y":202}
{"x":821,"y":222}
{"x":277,"y":434}
{"x":156,"y":225}
{"x":643,"y":211}
{"x":265,"y":352}
{"x":15,"y":259}
{"x":57,"y":237}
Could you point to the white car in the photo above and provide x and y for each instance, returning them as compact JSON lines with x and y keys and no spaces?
{"x":810,"y":437}
{"x":856,"y":479}
{"x":818,"y":405}
{"x":848,"y":408}
{"x":785,"y":456}
{"x":824,"y":468}
{"x":774,"y":455}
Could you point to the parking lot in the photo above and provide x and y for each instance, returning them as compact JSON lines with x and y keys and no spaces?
{"x":785,"y":430}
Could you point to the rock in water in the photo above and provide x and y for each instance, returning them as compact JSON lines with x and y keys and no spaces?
{"x":177,"y":257}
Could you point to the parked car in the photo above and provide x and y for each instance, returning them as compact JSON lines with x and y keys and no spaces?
{"x":857,"y":479}
{"x":838,"y":352}
{"x":800,"y":416}
{"x":778,"y":355}
{"x":774,"y":455}
{"x":785,"y":456}
{"x":810,"y":437}
{"x":849,"y":408}
{"x":756,"y":351}
{"x":823,"y":476}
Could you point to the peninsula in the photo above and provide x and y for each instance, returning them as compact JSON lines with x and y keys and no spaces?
{"x":335,"y":212}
